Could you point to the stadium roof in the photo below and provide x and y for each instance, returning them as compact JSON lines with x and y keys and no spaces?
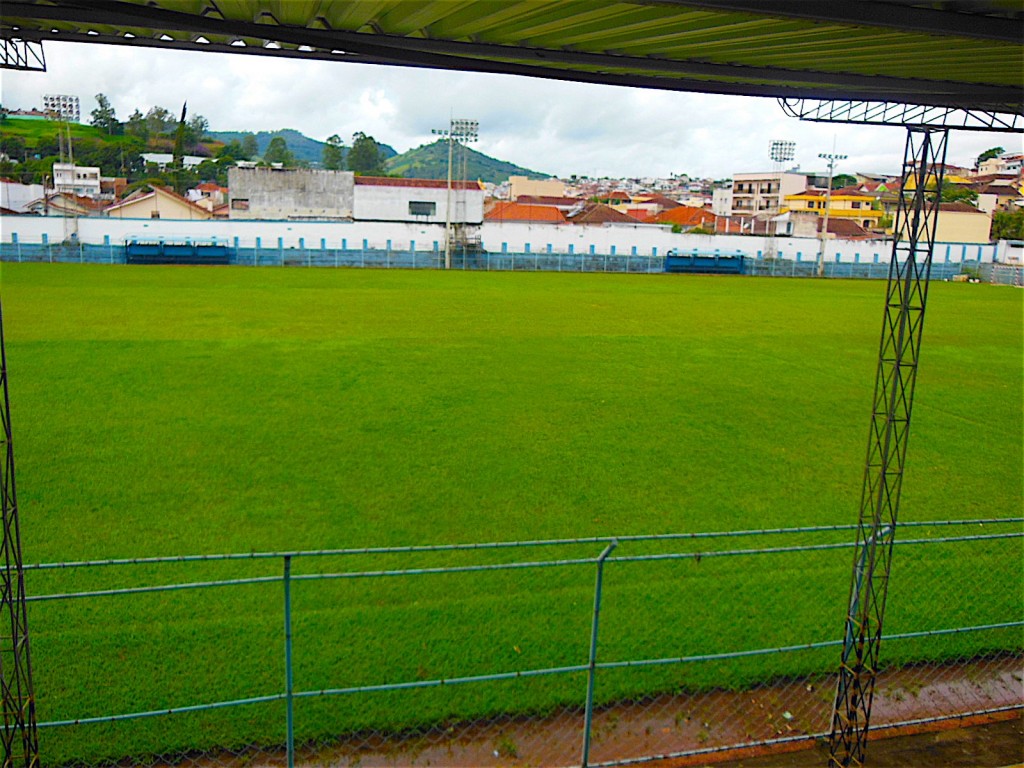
{"x":955,"y":53}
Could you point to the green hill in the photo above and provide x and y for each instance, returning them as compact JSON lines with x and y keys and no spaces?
{"x":304,"y":148}
{"x":430,"y":161}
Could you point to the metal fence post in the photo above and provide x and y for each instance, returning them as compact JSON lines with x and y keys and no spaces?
{"x":588,"y":715}
{"x":289,"y":717}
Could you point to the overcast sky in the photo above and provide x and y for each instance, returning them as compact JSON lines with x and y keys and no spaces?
{"x":551,"y":127}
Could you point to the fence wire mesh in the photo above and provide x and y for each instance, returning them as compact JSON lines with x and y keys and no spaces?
{"x":503,"y":653}
{"x":633,"y":262}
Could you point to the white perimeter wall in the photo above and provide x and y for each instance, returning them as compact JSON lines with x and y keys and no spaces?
{"x":497,"y":236}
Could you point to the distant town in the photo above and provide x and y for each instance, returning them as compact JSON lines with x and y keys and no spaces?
{"x":160,"y":166}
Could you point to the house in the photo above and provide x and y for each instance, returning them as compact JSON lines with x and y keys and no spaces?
{"x":65,"y":204}
{"x":157,"y":203}
{"x":599,"y":213}
{"x":208,"y":194}
{"x":163,"y":159}
{"x":962,"y":223}
{"x":504,"y":210}
{"x":848,"y":203}
{"x":76,"y":179}
{"x":522,"y":185}
{"x":687,"y":218}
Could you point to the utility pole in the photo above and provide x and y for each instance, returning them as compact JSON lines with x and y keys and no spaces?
{"x":831,"y":157}
{"x":457,"y":130}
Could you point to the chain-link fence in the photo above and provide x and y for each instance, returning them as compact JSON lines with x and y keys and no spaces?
{"x":594,"y":651}
{"x":1002,"y":274}
{"x":387,"y":258}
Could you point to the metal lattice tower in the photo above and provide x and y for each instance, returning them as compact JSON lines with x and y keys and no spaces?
{"x":19,"y":736}
{"x":906,"y":297}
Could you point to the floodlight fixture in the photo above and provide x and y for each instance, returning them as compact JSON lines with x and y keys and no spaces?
{"x":782,"y":150}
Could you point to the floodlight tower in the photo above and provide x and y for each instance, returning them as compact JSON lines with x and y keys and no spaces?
{"x":458,"y":130}
{"x":781,"y":152}
{"x":831,"y":157}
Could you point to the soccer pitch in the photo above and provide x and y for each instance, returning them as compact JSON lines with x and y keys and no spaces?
{"x":172,"y":411}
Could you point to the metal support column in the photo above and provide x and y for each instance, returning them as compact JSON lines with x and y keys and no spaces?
{"x":19,"y":737}
{"x":906,"y":296}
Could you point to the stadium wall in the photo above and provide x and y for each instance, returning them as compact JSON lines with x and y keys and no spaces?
{"x":497,"y":237}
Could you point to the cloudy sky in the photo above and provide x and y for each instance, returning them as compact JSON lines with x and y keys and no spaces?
{"x":551,"y":127}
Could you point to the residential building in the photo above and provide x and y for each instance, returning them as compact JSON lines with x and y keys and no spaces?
{"x":157,"y":203}
{"x":962,"y":223}
{"x":848,"y":204}
{"x":163,"y":159}
{"x":65,"y":204}
{"x":506,"y":210}
{"x":76,"y":179}
{"x":687,"y":218}
{"x":754,"y":193}
{"x":521,"y":185}
{"x":1008,"y":162}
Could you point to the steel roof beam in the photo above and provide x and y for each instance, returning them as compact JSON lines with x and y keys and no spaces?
{"x":652,"y":73}
{"x":872,"y":13}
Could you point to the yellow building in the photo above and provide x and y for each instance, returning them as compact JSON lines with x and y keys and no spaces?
{"x":521,"y":185}
{"x":157,"y":203}
{"x":962,"y":223}
{"x":845,"y":204}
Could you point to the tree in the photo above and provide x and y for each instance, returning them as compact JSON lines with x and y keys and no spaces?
{"x":159,"y":121}
{"x":198,"y":127}
{"x":334,"y":153}
{"x":136,"y":126}
{"x":250,"y":147}
{"x":953,"y":193}
{"x":988,"y":154}
{"x":843,"y":180}
{"x":231,"y":151}
{"x":180,"y":138}
{"x":1008,"y":225}
{"x":278,"y":152}
{"x":365,"y":156}
{"x":103,"y":117}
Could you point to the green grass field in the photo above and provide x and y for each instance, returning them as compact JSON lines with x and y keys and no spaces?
{"x":169,"y":411}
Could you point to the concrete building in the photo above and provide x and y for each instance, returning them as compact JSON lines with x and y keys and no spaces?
{"x":418,"y":200}
{"x":76,"y":179}
{"x":292,"y":194}
{"x":299,"y":194}
{"x":754,"y":193}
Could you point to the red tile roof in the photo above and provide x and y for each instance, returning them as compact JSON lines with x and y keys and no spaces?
{"x":686,"y":216}
{"x":658,"y":199}
{"x":561,"y":202}
{"x":959,"y":208}
{"x":504,"y":210}
{"x":383,"y":181}
{"x":597,"y":213}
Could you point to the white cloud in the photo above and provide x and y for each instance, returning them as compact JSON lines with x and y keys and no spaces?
{"x":548,"y":126}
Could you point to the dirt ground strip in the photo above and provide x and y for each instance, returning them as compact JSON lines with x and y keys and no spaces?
{"x":710,"y":724}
